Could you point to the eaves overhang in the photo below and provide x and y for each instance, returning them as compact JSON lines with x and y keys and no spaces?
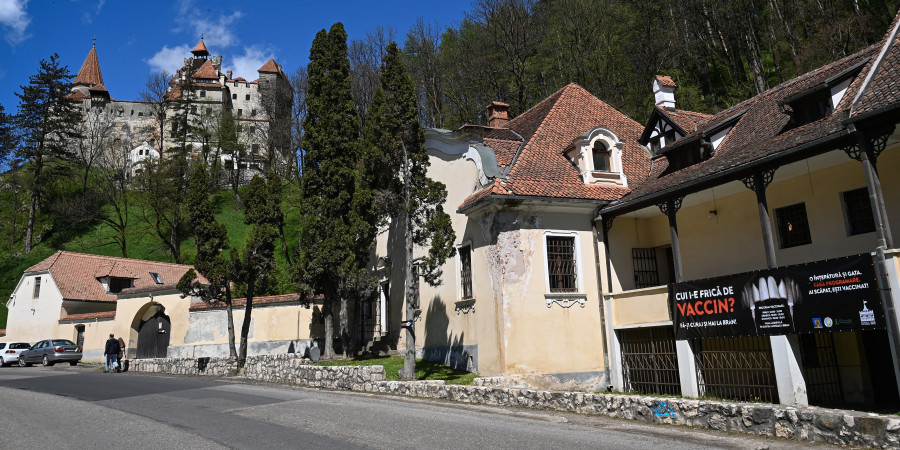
{"x":558,"y":204}
{"x":805,"y":150}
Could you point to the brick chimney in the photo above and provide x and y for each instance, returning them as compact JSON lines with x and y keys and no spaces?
{"x":664,"y":91}
{"x":228,"y":75}
{"x":498,"y":114}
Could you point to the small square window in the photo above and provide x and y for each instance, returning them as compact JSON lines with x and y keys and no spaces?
{"x":234,"y":96}
{"x":858,"y":210}
{"x":156,"y":278}
{"x":465,"y":272}
{"x":793,"y":226}
{"x":561,"y":265}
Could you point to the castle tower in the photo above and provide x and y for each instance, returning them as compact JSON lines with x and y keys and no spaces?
{"x":88,"y":83}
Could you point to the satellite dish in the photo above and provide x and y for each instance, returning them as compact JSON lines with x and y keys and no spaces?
{"x":315,"y":354}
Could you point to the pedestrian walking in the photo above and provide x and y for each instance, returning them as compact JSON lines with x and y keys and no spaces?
{"x":111,"y":352}
{"x":122,"y":354}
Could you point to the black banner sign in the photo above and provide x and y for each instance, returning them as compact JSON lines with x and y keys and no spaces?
{"x":824,"y":296}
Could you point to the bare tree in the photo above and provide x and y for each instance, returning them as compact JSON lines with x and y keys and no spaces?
{"x":111,"y":179}
{"x":96,"y":134}
{"x":365,"y":68}
{"x":155,"y":94}
{"x":422,"y":62}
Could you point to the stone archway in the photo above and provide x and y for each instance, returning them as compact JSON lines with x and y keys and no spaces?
{"x":153,"y":333}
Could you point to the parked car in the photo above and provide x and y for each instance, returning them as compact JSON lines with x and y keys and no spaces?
{"x":9,"y":352}
{"x":51,"y":351}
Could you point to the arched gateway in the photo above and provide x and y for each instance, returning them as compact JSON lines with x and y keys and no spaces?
{"x":153,"y":334}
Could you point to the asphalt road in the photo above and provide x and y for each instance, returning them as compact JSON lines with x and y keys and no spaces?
{"x":68,"y":407}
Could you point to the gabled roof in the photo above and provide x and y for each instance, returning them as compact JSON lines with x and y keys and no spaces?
{"x":269,"y":67}
{"x":88,"y":316}
{"x":882,"y":92}
{"x":76,"y":274}
{"x":206,"y":71}
{"x":666,"y":80}
{"x":89,"y":74}
{"x":759,"y":134}
{"x":539,"y":168}
{"x":684,"y":121}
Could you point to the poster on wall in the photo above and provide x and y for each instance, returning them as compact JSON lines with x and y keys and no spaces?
{"x":823,"y":296}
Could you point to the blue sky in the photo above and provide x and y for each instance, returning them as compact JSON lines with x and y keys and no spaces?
{"x":135,"y":38}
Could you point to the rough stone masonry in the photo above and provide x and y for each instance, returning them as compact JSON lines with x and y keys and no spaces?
{"x":808,"y":424}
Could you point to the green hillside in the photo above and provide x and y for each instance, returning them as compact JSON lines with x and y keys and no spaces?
{"x":96,"y":239}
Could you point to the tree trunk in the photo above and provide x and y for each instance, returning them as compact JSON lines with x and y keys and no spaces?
{"x":409,"y":361}
{"x":245,"y":327}
{"x":329,"y":329}
{"x":29,"y":228}
{"x":232,"y":351}
{"x":284,"y":246}
{"x":345,"y":334}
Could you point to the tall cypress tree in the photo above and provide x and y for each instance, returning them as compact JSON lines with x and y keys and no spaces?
{"x":330,"y":229}
{"x":47,"y":122}
{"x":399,"y":165}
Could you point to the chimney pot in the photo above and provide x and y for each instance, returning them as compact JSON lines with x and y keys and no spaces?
{"x":498,"y":114}
{"x":664,"y":92}
{"x":229,"y":73}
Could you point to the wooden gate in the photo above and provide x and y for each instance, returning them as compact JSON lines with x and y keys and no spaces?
{"x":153,"y":337}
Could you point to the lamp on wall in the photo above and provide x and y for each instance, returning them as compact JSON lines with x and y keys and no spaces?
{"x":712,"y":213}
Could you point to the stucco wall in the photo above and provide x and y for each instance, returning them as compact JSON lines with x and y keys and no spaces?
{"x":33,"y":319}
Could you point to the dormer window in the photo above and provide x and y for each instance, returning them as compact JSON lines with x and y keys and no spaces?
{"x":600,"y":156}
{"x":116,"y":284}
{"x":809,"y":108}
{"x":597,"y":154}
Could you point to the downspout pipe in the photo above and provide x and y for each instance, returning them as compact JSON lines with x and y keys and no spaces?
{"x":603,"y":326}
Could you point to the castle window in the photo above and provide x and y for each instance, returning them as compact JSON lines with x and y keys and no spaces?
{"x":248,"y":97}
{"x":793,"y":225}
{"x":252,"y":113}
{"x":240,"y":112}
{"x":240,"y":128}
{"x":600,"y":155}
{"x":234,"y":96}
{"x":562,"y":262}
{"x":858,"y":211}
{"x":202,"y":93}
{"x":465,"y":272}
{"x":255,"y":148}
{"x":193,"y":110}
{"x":140,"y":114}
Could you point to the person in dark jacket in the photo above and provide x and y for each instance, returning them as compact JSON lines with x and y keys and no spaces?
{"x":122,"y":354}
{"x":111,"y":352}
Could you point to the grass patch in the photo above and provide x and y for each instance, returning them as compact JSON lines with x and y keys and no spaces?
{"x":425,"y":370}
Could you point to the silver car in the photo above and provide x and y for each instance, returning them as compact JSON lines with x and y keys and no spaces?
{"x":9,"y":352}
{"x":51,"y":351}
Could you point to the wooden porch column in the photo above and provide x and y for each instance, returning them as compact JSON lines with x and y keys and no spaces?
{"x":758,"y":182}
{"x":670,"y":207}
{"x":869,"y":145}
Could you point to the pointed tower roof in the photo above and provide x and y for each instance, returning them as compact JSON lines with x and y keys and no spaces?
{"x":200,"y":49}
{"x":269,"y":67}
{"x":90,"y":75}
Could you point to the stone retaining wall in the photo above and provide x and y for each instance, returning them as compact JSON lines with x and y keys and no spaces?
{"x":808,"y":424}
{"x":281,"y":368}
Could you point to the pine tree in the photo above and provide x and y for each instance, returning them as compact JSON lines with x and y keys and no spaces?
{"x":256,"y":270}
{"x":331,"y":231}
{"x":399,"y":164}
{"x":47,"y":122}
{"x":212,"y":260}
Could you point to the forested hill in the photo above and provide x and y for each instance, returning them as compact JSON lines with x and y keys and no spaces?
{"x":719,"y":52}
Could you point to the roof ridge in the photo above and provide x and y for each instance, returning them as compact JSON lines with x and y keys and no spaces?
{"x":549,"y":98}
{"x":119,"y":258}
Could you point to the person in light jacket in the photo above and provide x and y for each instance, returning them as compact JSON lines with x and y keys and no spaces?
{"x":122,"y":354}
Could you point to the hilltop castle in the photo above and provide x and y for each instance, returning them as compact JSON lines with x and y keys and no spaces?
{"x":199,"y":93}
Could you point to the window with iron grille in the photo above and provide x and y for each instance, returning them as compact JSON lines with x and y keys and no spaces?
{"x":793,"y":226}
{"x":465,"y":271}
{"x":561,"y":264}
{"x":646,"y":271}
{"x":859,"y":211}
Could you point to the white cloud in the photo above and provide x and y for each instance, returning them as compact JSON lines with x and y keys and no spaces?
{"x":88,"y":16}
{"x":246,"y":65}
{"x":216,"y":30}
{"x":169,"y":59}
{"x":14,"y":19}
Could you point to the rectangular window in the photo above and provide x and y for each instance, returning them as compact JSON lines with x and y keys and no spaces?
{"x":202,"y":93}
{"x":193,"y":110}
{"x":37,"y":288}
{"x":858,"y":211}
{"x":561,"y":267}
{"x":156,"y":278}
{"x":247,"y":97}
{"x":234,"y":96}
{"x":465,"y":272}
{"x":646,"y":269}
{"x":253,"y":113}
{"x":240,"y":112}
{"x":255,"y":148}
{"x":240,"y":128}
{"x":116,"y":284}
{"x":793,"y":226}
